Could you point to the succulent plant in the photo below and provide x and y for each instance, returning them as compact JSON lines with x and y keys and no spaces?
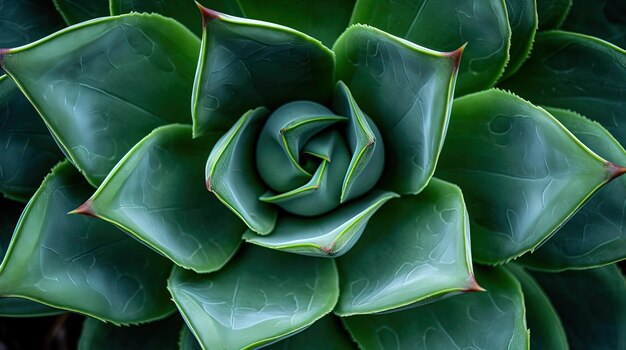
{"x":308,"y":174}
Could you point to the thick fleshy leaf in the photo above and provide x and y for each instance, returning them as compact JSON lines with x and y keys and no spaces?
{"x":231,"y":174}
{"x":414,"y":249}
{"x":245,"y":64}
{"x":461,"y":322}
{"x":523,"y":20}
{"x":332,"y":234}
{"x":102,"y":85}
{"x":260,"y":297}
{"x":187,"y":341}
{"x":80,"y":263}
{"x":97,"y":335}
{"x":27,"y":150}
{"x":500,"y":144}
{"x":605,"y":19}
{"x":546,"y":330}
{"x":184,"y":11}
{"x":76,"y":11}
{"x":595,"y":235}
{"x":552,"y":13}
{"x":591,"y":304}
{"x":327,"y":333}
{"x":157,"y":194}
{"x":445,"y":25}
{"x":576,"y":72}
{"x":375,"y":66}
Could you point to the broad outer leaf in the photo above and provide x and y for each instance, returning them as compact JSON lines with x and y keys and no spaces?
{"x":261,"y":296}
{"x":605,"y":19}
{"x":327,"y":333}
{"x":76,"y":11}
{"x":522,"y":16}
{"x":445,"y":25}
{"x":329,"y":235}
{"x":79,"y":263}
{"x":245,"y":64}
{"x":162,"y":334}
{"x":157,"y":194}
{"x":491,"y":320}
{"x":27,"y":151}
{"x":552,"y":13}
{"x":375,"y":66}
{"x":414,"y":249}
{"x":591,"y":304}
{"x":19,"y":307}
{"x":522,"y":172}
{"x":184,"y":11}
{"x":546,"y":330}
{"x":102,"y":85}
{"x":596,"y":234}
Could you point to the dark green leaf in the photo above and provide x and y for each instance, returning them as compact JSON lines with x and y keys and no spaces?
{"x":605,"y":19}
{"x":552,"y":13}
{"x":187,"y":341}
{"x":591,"y":304}
{"x":491,"y":320}
{"x":162,"y":334}
{"x":76,"y":11}
{"x":79,"y":263}
{"x":522,"y":172}
{"x":327,"y":333}
{"x":445,"y":25}
{"x":261,"y":296}
{"x":184,"y":11}
{"x":375,"y":66}
{"x":595,"y":235}
{"x":523,"y":20}
{"x":245,"y":64}
{"x":415,"y":249}
{"x":102,"y":85}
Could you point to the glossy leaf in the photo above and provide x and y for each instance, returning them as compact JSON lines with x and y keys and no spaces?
{"x":245,"y":64}
{"x":327,"y":333}
{"x":591,"y":304}
{"x":500,"y":144}
{"x":461,"y":322}
{"x":595,"y":235}
{"x":262,"y":296}
{"x":546,"y":330}
{"x":163,"y":334}
{"x":605,"y":19}
{"x":187,"y":341}
{"x":231,"y":174}
{"x":102,"y":85}
{"x":414,"y":249}
{"x":183,"y":11}
{"x":375,"y":66}
{"x":79,"y":263}
{"x":523,"y":20}
{"x":445,"y":25}
{"x":27,"y":150}
{"x":332,"y":234}
{"x":157,"y":194}
{"x":76,"y":11}
{"x":552,"y":13}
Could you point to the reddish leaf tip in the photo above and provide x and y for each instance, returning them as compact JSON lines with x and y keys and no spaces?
{"x":84,"y":209}
{"x":473,"y":286}
{"x":455,"y":56}
{"x":208,"y":184}
{"x":614,"y":170}
{"x":2,"y":53}
{"x":207,"y":14}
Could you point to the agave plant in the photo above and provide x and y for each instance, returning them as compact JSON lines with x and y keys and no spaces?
{"x":322,"y":190}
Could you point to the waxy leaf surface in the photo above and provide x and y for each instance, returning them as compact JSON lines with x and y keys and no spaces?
{"x":183,"y":11}
{"x":523,"y":20}
{"x":552,"y":13}
{"x":187,"y":340}
{"x":76,"y":11}
{"x":162,"y":334}
{"x":605,"y":19}
{"x":325,"y":334}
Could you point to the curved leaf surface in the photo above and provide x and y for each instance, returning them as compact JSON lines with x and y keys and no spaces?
{"x":605,"y":19}
{"x":97,"y":335}
{"x":79,"y":263}
{"x":187,"y":341}
{"x":500,"y":144}
{"x":591,"y":304}
{"x":375,"y":66}
{"x":245,"y":64}
{"x":183,"y":11}
{"x":157,"y":194}
{"x":461,"y":322}
{"x":102,"y":85}
{"x":523,"y":21}
{"x":414,"y":249}
{"x":552,"y":13}
{"x":76,"y":11}
{"x":482,"y":24}
{"x":325,"y":334}
{"x":260,"y":297}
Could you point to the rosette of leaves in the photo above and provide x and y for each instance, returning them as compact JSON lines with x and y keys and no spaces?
{"x":322,"y":189}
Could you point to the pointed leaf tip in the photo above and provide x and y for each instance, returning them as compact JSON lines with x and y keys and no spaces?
{"x":614,"y":170}
{"x":455,"y":56}
{"x":208,"y":183}
{"x":207,"y":14}
{"x":84,"y":209}
{"x":2,"y":53}
{"x":473,"y":286}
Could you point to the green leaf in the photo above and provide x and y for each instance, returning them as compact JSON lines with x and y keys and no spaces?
{"x":546,"y":330}
{"x":79,"y":263}
{"x":552,"y":13}
{"x":187,"y":341}
{"x":605,"y":19}
{"x":260,"y":297}
{"x":332,"y":234}
{"x":102,"y":85}
{"x":162,"y":334}
{"x":157,"y":194}
{"x":76,"y":11}
{"x":375,"y":66}
{"x":523,"y":20}
{"x":245,"y":64}
{"x":231,"y":174}
{"x":184,"y":11}
{"x":500,"y":144}
{"x":445,"y":25}
{"x":596,"y":234}
{"x":28,"y":151}
{"x":327,"y":333}
{"x":591,"y":304}
{"x":491,"y":320}
{"x":579,"y":73}
{"x":415,"y":249}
